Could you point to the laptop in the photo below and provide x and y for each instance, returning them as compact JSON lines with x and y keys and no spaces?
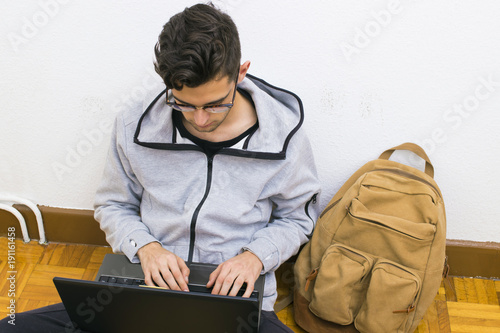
{"x":119,"y":301}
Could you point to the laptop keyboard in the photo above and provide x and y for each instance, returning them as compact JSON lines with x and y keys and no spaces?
{"x":122,"y":280}
{"x":141,"y":282}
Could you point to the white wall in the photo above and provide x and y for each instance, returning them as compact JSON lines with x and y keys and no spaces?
{"x":372,"y":74}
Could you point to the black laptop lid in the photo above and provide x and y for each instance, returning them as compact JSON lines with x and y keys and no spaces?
{"x":106,"y":308}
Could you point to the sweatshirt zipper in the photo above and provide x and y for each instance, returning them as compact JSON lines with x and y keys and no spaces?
{"x":194,"y":219}
{"x":313,"y":200}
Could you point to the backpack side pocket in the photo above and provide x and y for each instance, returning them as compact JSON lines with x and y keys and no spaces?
{"x":340,"y":284}
{"x":390,"y":299}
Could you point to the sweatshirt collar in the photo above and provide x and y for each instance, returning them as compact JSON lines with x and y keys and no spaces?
{"x":280,"y":114}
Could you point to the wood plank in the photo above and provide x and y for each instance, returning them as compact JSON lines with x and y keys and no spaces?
{"x":22,"y":305}
{"x":47,"y":253}
{"x":449,"y":286}
{"x":30,"y":304}
{"x":491,"y":292}
{"x":482,"y":294}
{"x":76,"y":255}
{"x":497,"y":287}
{"x":19,"y":279}
{"x":460,"y":292}
{"x":23,"y":252}
{"x":474,"y":324}
{"x":42,"y":275}
{"x":4,"y":303}
{"x":441,"y":295}
{"x":474,"y":310}
{"x":3,"y":276}
{"x":470,"y":291}
{"x":89,"y":274}
{"x":40,"y":286}
{"x":3,"y":245}
{"x":62,"y":255}
{"x":86,"y":256}
{"x":22,"y":277}
{"x":41,"y":293}
{"x":98,"y":256}
{"x":442,"y":316}
{"x":474,"y":329}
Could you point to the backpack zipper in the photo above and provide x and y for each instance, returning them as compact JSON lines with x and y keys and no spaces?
{"x":418,"y":288}
{"x":328,"y":208}
{"x":393,"y":171}
{"x":381,"y":224}
{"x":411,"y":176}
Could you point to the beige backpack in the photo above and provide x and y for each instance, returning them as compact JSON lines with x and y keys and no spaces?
{"x":375,"y":260}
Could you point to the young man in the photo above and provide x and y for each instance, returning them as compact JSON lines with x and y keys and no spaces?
{"x":216,"y":169}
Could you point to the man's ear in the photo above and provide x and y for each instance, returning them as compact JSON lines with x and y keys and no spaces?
{"x":243,"y":70}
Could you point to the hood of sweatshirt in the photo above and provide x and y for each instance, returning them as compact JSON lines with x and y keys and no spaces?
{"x":283,"y":117}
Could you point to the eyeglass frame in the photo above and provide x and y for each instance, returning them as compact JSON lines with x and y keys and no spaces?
{"x":193,"y":108}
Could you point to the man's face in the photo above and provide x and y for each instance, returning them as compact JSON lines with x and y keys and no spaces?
{"x":209,"y":94}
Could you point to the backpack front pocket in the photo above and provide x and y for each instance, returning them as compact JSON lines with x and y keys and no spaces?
{"x":387,"y":236}
{"x":390,"y":299}
{"x":340,"y":284}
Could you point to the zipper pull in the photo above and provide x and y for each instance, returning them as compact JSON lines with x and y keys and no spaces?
{"x":410,"y":308}
{"x":311,"y":277}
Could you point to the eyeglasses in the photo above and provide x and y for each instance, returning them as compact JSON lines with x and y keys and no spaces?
{"x":218,"y":108}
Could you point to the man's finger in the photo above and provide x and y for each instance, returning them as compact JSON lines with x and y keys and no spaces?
{"x":177,"y":280}
{"x":222,"y":279}
{"x":158,"y":280}
{"x":169,"y":278}
{"x":236,"y":286}
{"x":213,"y":277}
{"x":184,"y":269}
{"x":226,"y":283}
{"x":249,"y":290}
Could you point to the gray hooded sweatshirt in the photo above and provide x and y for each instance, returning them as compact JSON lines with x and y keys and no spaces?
{"x":259,"y":195}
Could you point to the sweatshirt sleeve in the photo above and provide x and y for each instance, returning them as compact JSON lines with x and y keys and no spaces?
{"x":296,"y":208}
{"x":118,"y":198}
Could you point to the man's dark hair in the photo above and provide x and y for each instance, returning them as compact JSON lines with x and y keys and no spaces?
{"x":197,"y":45}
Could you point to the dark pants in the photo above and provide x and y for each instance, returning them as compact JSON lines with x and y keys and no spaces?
{"x":55,"y":319}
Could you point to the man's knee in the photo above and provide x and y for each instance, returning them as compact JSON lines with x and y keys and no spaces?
{"x":9,"y":324}
{"x":52,"y":318}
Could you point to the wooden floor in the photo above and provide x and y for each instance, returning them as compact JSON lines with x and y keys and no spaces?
{"x":462,"y":305}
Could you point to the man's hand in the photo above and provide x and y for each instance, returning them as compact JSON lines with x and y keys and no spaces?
{"x":245,"y":267}
{"x":163,"y":267}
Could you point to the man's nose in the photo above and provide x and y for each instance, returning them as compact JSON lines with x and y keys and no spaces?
{"x":201,"y":116}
